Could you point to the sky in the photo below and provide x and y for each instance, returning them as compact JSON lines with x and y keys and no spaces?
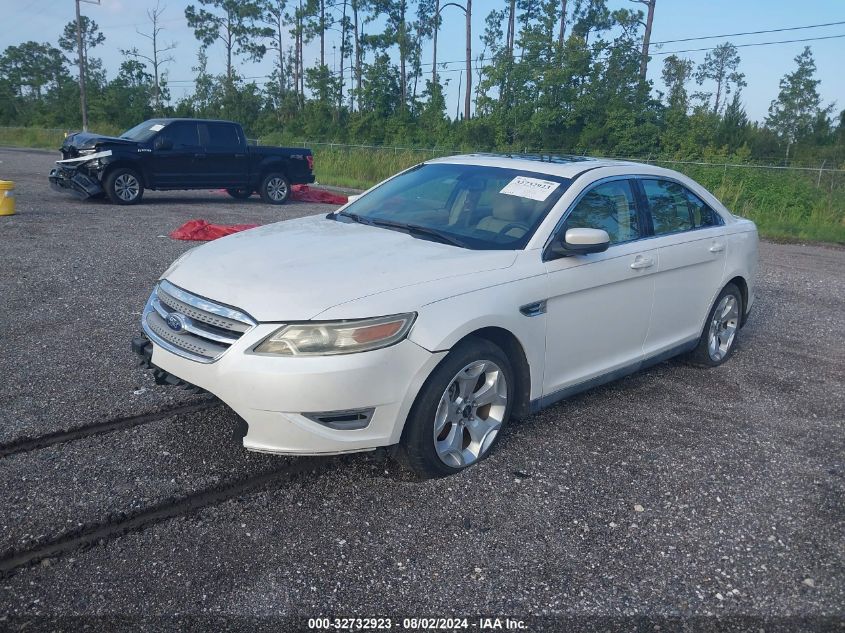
{"x":43,"y":20}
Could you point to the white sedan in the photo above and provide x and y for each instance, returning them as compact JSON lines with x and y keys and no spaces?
{"x":459,"y":294}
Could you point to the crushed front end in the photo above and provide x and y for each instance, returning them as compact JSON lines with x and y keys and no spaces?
{"x":80,"y":174}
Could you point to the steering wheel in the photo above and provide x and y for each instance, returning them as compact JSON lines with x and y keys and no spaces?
{"x":513,"y":225}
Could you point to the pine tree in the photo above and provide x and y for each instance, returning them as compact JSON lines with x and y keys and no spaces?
{"x":798,"y":105}
{"x":720,"y":65}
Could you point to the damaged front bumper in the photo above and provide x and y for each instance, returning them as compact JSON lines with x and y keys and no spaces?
{"x":79,"y":175}
{"x":74,"y":179}
{"x":143,"y":347}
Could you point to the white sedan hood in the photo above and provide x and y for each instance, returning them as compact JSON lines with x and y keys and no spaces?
{"x":294,"y":270}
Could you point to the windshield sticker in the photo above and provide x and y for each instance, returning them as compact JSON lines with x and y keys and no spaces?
{"x":157,"y":127}
{"x":532,"y":188}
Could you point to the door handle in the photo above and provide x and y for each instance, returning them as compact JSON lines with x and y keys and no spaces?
{"x":642,"y":262}
{"x":717,"y":247}
{"x":199,"y":155}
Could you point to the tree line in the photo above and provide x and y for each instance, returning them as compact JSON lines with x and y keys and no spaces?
{"x":543,"y":74}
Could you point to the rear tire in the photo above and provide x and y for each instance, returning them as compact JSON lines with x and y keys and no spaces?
{"x":460,"y":412}
{"x":241,"y":193}
{"x":123,"y":186}
{"x":718,"y":339}
{"x":275,"y":188}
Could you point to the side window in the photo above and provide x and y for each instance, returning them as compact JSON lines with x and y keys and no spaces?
{"x":222,"y":135}
{"x":182,"y":134}
{"x":609,"y":206}
{"x":670,"y":210}
{"x":702,"y":215}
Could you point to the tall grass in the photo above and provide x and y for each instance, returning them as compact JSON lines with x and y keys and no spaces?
{"x":785,"y":205}
{"x":41,"y":138}
{"x":31,"y":137}
{"x":361,"y":168}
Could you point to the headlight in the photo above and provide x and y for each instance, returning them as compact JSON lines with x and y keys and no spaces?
{"x":336,"y":337}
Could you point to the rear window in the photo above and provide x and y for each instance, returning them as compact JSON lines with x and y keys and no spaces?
{"x":702,"y":215}
{"x":221,"y":135}
{"x":669,"y":206}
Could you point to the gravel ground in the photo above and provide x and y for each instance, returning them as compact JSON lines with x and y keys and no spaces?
{"x":687,"y":497}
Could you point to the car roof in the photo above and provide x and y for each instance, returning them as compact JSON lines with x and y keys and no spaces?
{"x":555,"y":165}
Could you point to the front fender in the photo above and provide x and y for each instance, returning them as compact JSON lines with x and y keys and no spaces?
{"x":493,"y":307}
{"x":117,"y":160}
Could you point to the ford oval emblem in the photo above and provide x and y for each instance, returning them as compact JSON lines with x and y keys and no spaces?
{"x":177,"y":322}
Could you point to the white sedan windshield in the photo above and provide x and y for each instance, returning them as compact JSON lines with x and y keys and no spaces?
{"x":467,"y":205}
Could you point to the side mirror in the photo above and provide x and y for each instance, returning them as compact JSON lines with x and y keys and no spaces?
{"x":581,"y":242}
{"x":352,"y":198}
{"x":163,"y":143}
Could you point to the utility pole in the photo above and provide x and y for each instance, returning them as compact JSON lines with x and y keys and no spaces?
{"x":468,"y":13}
{"x":83,"y":102}
{"x":647,"y":36}
{"x":467,"y":101}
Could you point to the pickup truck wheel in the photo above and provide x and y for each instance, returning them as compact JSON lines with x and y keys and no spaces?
{"x":241,"y":193}
{"x":123,"y":186}
{"x":275,"y":188}
{"x":460,"y":412}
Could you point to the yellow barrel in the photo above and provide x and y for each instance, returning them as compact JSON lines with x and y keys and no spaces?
{"x":7,"y":197}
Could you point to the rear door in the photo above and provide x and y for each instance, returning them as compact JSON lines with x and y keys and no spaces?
{"x":691,"y":241}
{"x":225,"y":161}
{"x":599,"y":305}
{"x":173,"y":163}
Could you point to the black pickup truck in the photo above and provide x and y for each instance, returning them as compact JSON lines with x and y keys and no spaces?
{"x":165,"y":154}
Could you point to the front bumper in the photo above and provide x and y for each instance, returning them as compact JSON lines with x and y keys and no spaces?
{"x":76,"y":180}
{"x":271,"y":393}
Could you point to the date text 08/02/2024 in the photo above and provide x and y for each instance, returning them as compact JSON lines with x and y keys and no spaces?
{"x":417,"y":624}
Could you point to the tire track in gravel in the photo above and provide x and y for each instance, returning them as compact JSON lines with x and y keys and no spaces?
{"x":98,"y":533}
{"x":27,"y":444}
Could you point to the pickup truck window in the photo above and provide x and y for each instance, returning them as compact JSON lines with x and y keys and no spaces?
{"x":221,"y":135}
{"x":182,"y":134}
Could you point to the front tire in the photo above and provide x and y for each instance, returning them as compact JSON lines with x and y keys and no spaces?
{"x":123,"y":186}
{"x":461,"y":410}
{"x":275,"y":188}
{"x":718,"y":340}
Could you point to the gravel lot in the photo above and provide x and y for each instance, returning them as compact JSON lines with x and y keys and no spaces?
{"x":678,"y":494}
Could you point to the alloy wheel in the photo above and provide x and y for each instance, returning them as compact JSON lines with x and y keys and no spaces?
{"x":126,"y":187}
{"x":277,"y":189}
{"x":723,"y":327}
{"x":470,"y":413}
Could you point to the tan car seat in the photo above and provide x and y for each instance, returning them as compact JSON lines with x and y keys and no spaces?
{"x":506,"y":210}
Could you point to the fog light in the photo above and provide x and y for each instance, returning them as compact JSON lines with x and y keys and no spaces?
{"x":348,"y":420}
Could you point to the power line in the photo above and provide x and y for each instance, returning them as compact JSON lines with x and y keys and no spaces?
{"x":807,"y":39}
{"x":711,"y":37}
{"x":552,"y":64}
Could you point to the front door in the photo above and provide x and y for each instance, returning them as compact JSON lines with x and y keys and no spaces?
{"x":173,"y":163}
{"x":599,"y":305}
